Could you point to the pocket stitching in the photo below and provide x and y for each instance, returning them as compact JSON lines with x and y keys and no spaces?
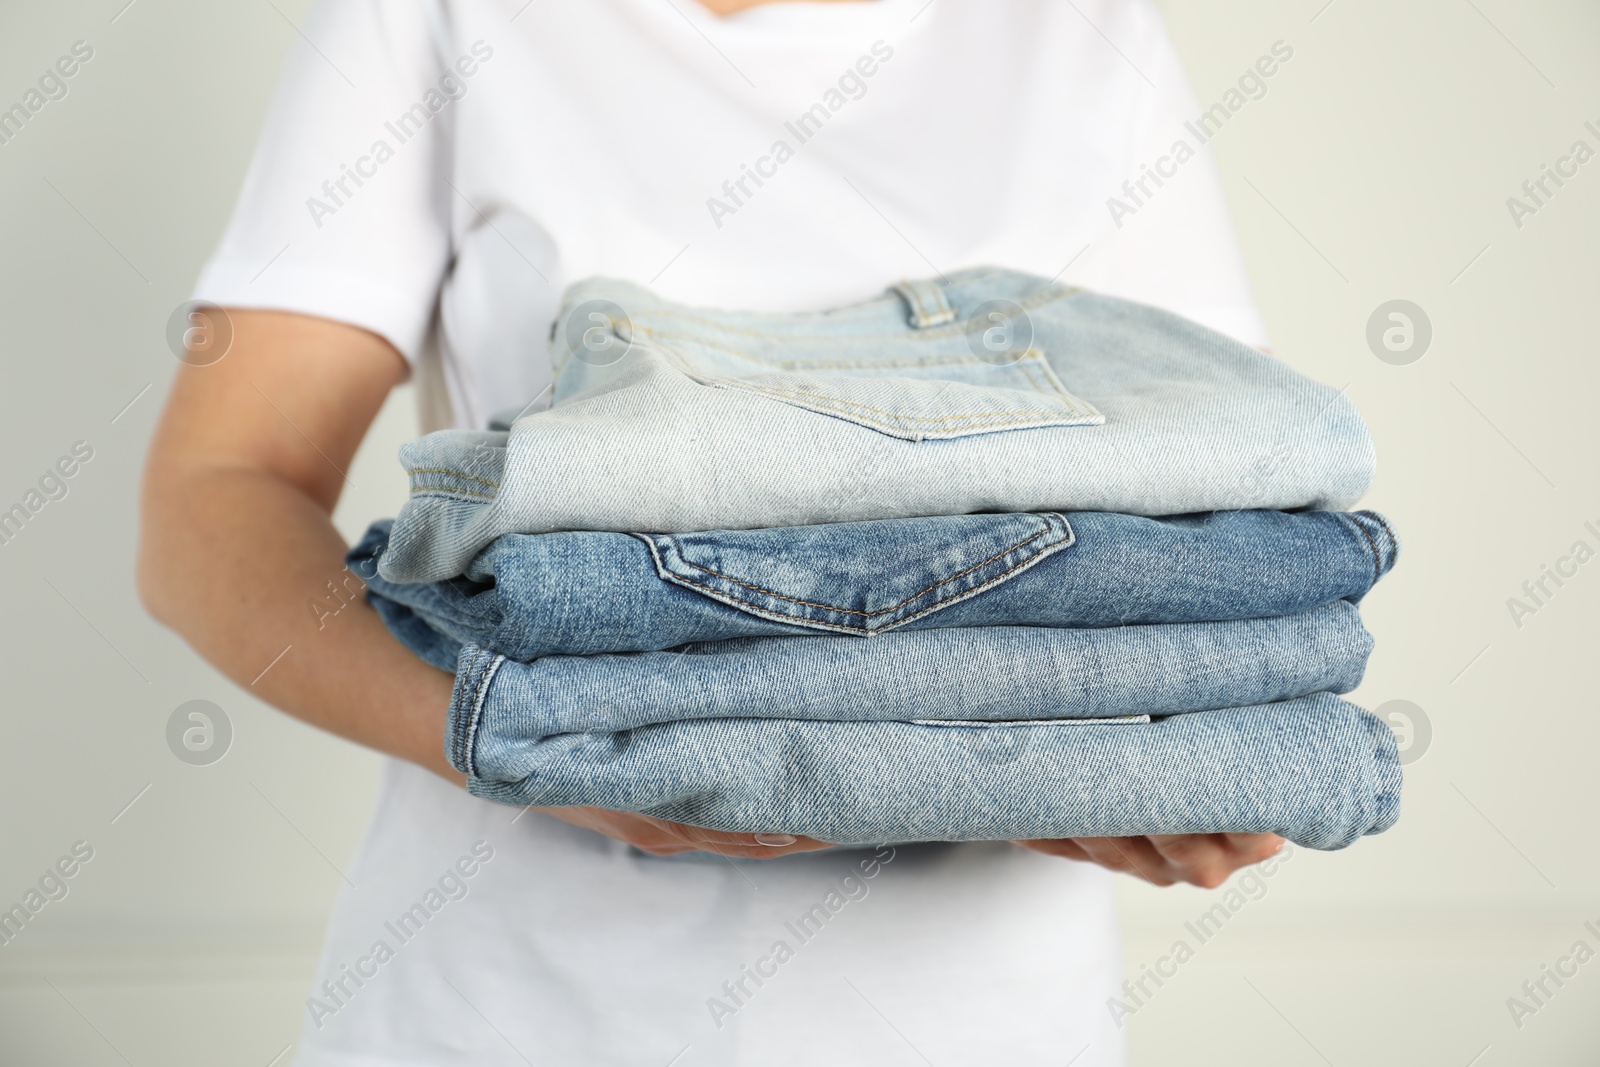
{"x":1031,"y":361}
{"x":863,"y":631}
{"x":1070,"y":540}
{"x":664,"y":340}
{"x":822,"y":400}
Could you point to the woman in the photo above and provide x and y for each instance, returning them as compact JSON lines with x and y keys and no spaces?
{"x":432,"y":175}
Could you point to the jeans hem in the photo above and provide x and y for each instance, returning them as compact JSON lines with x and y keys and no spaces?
{"x":475,"y":671}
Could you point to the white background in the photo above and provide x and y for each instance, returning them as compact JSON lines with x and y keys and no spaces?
{"x":1377,"y":167}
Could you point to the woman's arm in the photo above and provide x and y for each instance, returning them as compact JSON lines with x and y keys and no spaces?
{"x":242,"y":476}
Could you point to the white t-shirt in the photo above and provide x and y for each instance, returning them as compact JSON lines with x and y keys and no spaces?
{"x":437,"y":171}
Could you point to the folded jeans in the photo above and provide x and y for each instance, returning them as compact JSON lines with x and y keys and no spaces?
{"x":527,"y":596}
{"x":1314,"y":769}
{"x":998,"y":392}
{"x":988,"y":674}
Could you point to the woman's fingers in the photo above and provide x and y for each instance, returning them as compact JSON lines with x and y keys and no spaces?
{"x":1205,"y":860}
{"x":1255,"y":847}
{"x":1208,"y":860}
{"x":661,"y":837}
{"x":753,"y":846}
{"x":1130,"y":855}
{"x":1165,"y":859}
{"x":1064,"y":847}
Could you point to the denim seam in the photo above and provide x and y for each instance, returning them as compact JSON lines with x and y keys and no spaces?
{"x":926,"y":318}
{"x":848,"y":611}
{"x":884,"y":611}
{"x":1380,"y":775}
{"x":664,"y":340}
{"x":862,"y":631}
{"x":1027,"y":372}
{"x":1029,"y":367}
{"x":820,"y":400}
{"x":1377,"y":556}
{"x":1034,"y":365}
{"x":800,"y":366}
{"x":1078,"y":408}
{"x":475,"y":715}
{"x":453,"y":473}
{"x":736,"y":603}
{"x":451,"y":489}
{"x":918,"y":309}
{"x":1394,"y":539}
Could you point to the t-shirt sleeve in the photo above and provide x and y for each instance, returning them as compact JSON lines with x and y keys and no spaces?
{"x":1177,"y":248}
{"x":344,"y":212}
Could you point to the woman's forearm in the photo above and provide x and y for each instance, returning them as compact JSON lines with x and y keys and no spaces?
{"x":251,"y":573}
{"x":238,"y":553}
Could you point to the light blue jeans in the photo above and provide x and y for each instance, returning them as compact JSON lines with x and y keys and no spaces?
{"x":1314,"y":769}
{"x":986,"y":673}
{"x":527,"y":596}
{"x":992,"y":391}
{"x":993,"y":638}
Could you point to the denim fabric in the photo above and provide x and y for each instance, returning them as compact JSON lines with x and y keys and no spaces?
{"x":928,"y":401}
{"x":988,"y":673}
{"x":527,"y":596}
{"x":1315,"y":769}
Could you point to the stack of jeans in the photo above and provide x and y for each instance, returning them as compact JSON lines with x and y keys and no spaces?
{"x":986,"y":558}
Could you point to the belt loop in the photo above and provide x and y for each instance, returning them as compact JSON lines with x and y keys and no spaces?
{"x":926,"y":301}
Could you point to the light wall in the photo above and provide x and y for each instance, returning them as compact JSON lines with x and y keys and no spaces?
{"x":1377,"y":167}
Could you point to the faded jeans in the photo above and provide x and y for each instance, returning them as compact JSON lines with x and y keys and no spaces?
{"x":992,"y":391}
{"x":528,"y":596}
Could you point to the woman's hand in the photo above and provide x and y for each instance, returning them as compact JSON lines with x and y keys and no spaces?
{"x":1205,"y":860}
{"x":662,"y":838}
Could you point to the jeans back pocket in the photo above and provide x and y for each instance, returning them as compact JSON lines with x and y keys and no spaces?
{"x":923,"y":395}
{"x":858,"y":577}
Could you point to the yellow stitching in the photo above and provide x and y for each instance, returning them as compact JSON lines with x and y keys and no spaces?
{"x":689,"y":315}
{"x":450,"y":489}
{"x":1027,"y":372}
{"x":823,"y":400}
{"x":863,"y":614}
{"x":925,"y":320}
{"x":1033,"y":356}
{"x":663,"y":344}
{"x":942,"y":359}
{"x":914,"y":298}
{"x":458,"y":474}
{"x":1040,"y":365}
{"x":989,"y":418}
{"x":995,"y":418}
